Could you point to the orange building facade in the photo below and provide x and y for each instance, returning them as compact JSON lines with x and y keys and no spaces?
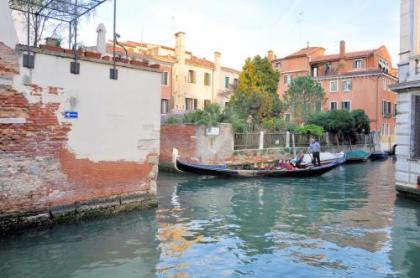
{"x":351,"y":80}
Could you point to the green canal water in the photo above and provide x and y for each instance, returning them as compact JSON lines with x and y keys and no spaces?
{"x":346,"y":223}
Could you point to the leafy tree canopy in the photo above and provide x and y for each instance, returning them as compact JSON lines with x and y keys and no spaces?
{"x":311,"y":129}
{"x":341,"y":121}
{"x":361,"y":121}
{"x":256,"y":94}
{"x":304,"y":96}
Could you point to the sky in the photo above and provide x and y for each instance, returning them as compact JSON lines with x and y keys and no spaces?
{"x":244,"y":28}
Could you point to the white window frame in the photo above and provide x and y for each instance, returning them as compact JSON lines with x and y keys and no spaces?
{"x":336,"y":86}
{"x":166,"y":101}
{"x":349,"y":101}
{"x":315,"y":71}
{"x":227,"y":82}
{"x":192,"y":76}
{"x":167,"y":78}
{"x":355,"y":63}
{"x":336,"y":105}
{"x":345,"y":88}
{"x":287,"y":79}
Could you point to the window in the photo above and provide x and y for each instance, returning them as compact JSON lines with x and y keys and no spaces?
{"x":287,"y":79}
{"x":287,"y":118}
{"x":164,"y":107}
{"x":235,"y":83}
{"x":227,"y":82}
{"x":416,"y":124}
{"x":314,"y":71}
{"x":333,"y":105}
{"x":278,"y":65}
{"x":191,"y":76}
{"x":385,"y":130}
{"x":190,"y":104}
{"x":358,"y":64}
{"x":206,"y":103}
{"x":333,"y":86}
{"x":328,"y":68}
{"x":383,"y":65}
{"x":347,"y":85}
{"x":207,"y":79}
{"x":345,"y":105}
{"x":386,"y":108}
{"x":165,"y":78}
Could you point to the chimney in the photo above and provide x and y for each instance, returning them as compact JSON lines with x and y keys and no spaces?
{"x":101,"y":39}
{"x":270,"y":56}
{"x":217,"y":64}
{"x":342,"y":49}
{"x":180,"y":46}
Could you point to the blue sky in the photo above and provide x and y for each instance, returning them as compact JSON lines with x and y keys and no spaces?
{"x":244,"y":28}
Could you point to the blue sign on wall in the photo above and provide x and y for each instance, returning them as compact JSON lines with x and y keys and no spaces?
{"x":71,"y":114}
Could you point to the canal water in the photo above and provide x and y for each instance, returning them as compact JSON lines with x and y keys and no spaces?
{"x":346,"y":223}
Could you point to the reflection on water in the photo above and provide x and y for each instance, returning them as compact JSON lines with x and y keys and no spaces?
{"x":346,"y":222}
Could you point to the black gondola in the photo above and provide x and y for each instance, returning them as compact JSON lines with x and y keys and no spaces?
{"x":379,"y":155}
{"x":223,"y":170}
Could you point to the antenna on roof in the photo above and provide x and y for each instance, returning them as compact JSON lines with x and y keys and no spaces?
{"x":299,"y":25}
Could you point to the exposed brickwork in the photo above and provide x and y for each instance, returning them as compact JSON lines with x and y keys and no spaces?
{"x":8,"y":62}
{"x":39,"y":174}
{"x":182,"y":137}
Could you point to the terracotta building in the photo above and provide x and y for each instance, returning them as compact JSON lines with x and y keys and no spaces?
{"x":351,"y":80}
{"x":188,"y":82}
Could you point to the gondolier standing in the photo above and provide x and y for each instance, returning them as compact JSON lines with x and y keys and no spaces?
{"x":315,"y":149}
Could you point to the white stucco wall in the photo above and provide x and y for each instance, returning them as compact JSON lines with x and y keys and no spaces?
{"x":407,"y":169}
{"x":8,"y":33}
{"x":117,"y":119}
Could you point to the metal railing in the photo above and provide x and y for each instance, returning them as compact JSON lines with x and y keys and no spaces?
{"x":262,"y":140}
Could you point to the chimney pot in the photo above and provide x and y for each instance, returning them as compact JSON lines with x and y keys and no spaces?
{"x":342,"y":48}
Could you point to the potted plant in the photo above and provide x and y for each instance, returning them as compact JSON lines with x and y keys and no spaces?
{"x":135,"y":62}
{"x":107,"y":58}
{"x":155,"y":66}
{"x":52,"y":44}
{"x":92,"y":54}
{"x":121,"y":60}
{"x":53,"y":41}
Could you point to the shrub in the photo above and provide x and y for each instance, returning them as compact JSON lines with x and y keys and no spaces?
{"x":273,"y":124}
{"x":172,"y":120}
{"x":311,"y":129}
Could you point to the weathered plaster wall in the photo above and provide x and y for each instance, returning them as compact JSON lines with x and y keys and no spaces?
{"x":52,"y":166}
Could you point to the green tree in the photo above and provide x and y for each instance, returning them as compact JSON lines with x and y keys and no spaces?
{"x":311,"y":129}
{"x":304,"y":96}
{"x":361,"y":121}
{"x":336,"y":121}
{"x":256,"y":94}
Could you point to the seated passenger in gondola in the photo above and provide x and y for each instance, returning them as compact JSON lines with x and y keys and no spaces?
{"x":300,"y":159}
{"x":283,"y":164}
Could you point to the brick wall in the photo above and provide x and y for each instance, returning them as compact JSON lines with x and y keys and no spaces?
{"x":40,"y":174}
{"x":182,"y":137}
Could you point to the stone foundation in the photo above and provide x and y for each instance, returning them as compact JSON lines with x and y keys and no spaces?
{"x":74,"y":212}
{"x":409,"y":191}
